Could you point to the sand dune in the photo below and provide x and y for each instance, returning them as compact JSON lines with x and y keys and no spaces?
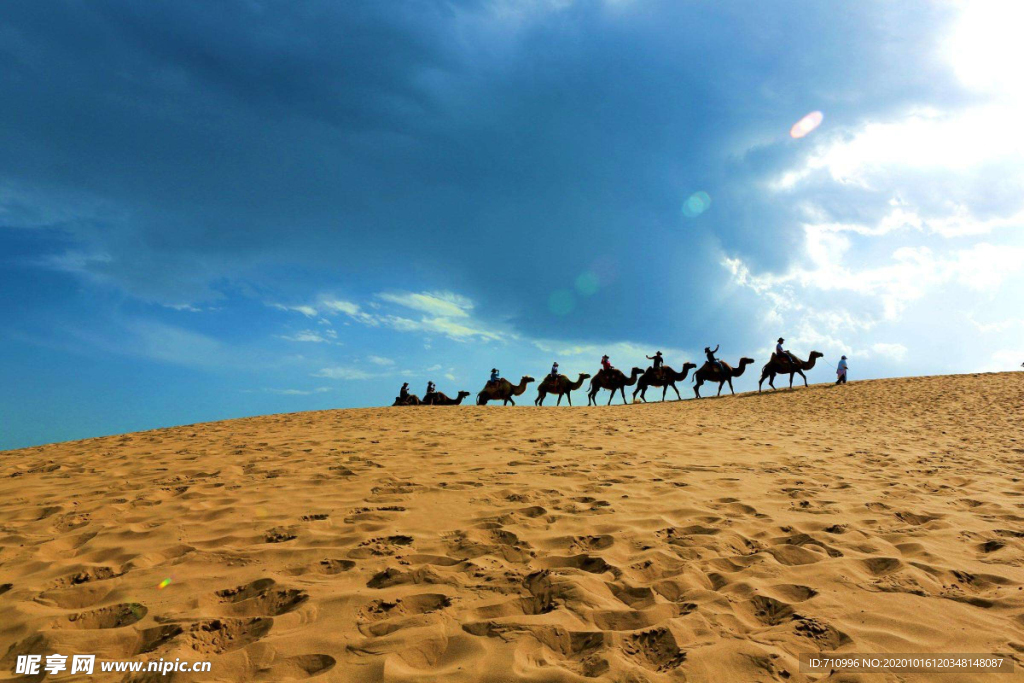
{"x":699,"y":541}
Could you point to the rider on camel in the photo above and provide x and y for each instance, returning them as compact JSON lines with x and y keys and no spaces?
{"x":658,"y":362}
{"x":606,"y":364}
{"x":782,"y":353}
{"x":711,"y":357}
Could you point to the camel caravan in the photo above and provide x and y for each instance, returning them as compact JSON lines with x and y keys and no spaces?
{"x":610,"y":378}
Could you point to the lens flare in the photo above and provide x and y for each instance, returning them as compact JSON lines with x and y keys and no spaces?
{"x":696,"y":204}
{"x":587,"y":283}
{"x":806,"y":124}
{"x":164,"y":584}
{"x":561,"y":302}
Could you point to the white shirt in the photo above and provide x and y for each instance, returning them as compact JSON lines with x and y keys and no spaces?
{"x":842,"y":367}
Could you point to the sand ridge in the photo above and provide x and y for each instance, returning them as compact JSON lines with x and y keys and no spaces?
{"x":699,"y":541}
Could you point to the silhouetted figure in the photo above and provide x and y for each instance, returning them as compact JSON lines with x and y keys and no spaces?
{"x":841,"y":371}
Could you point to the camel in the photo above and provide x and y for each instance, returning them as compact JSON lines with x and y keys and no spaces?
{"x":439,"y":398}
{"x":613,"y":380}
{"x":502,"y":390}
{"x":560,"y":385}
{"x":410,"y":400}
{"x":667,"y":378}
{"x":781,"y":365}
{"x":710,"y":373}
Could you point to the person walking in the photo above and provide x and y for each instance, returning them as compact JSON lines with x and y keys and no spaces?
{"x":841,"y":371}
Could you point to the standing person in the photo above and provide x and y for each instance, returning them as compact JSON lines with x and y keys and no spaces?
{"x":841,"y":371}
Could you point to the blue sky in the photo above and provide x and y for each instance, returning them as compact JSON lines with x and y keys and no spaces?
{"x":210,"y":210}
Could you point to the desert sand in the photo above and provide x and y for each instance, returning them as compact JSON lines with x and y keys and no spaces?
{"x":707,"y":540}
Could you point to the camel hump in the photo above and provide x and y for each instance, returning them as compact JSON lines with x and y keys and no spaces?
{"x":783,"y":360}
{"x":711,"y":367}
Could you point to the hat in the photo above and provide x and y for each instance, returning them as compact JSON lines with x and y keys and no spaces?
{"x":781,"y":340}
{"x":707,"y":348}
{"x":844,"y":358}
{"x":494,"y":369}
{"x":556,"y":365}
{"x":604,"y":356}
{"x":658,"y":353}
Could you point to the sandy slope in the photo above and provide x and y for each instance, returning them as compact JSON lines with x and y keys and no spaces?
{"x":705,"y":541}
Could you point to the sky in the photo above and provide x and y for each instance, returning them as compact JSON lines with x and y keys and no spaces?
{"x":212,"y":210}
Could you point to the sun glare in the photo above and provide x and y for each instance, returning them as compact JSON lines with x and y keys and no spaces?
{"x":986,"y":49}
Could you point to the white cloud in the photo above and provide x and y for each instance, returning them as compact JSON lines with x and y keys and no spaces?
{"x":299,"y":392}
{"x":380,"y":360}
{"x":343,"y":372}
{"x":921,"y":140}
{"x":441,"y":304}
{"x":307,"y":336}
{"x":307,"y":311}
{"x":896,"y":352}
{"x":462,"y":330}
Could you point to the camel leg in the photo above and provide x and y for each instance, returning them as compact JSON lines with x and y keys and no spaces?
{"x":696,"y":387}
{"x":568,"y":397}
{"x":613,"y":396}
{"x":720,"y":385}
{"x":664,"y":390}
{"x":804,"y":376}
{"x":730,"y":387}
{"x":791,"y":380}
{"x":539,"y":401}
{"x":678,"y":397}
{"x":559,"y":401}
{"x":760,"y":382}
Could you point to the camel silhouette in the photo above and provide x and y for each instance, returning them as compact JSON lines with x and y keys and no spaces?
{"x":560,"y":385}
{"x":665,"y":379}
{"x":782,"y":365}
{"x":502,"y":390}
{"x":439,"y":398}
{"x":711,"y":373}
{"x":613,"y":380}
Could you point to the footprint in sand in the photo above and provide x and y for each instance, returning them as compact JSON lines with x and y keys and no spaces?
{"x":217,"y":636}
{"x":296,"y":668}
{"x":279,"y":535}
{"x":87,"y":575}
{"x":114,"y":616}
{"x":380,"y":547}
{"x":261,"y":598}
{"x":315,"y":517}
{"x":151,"y":639}
{"x":771,"y":612}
